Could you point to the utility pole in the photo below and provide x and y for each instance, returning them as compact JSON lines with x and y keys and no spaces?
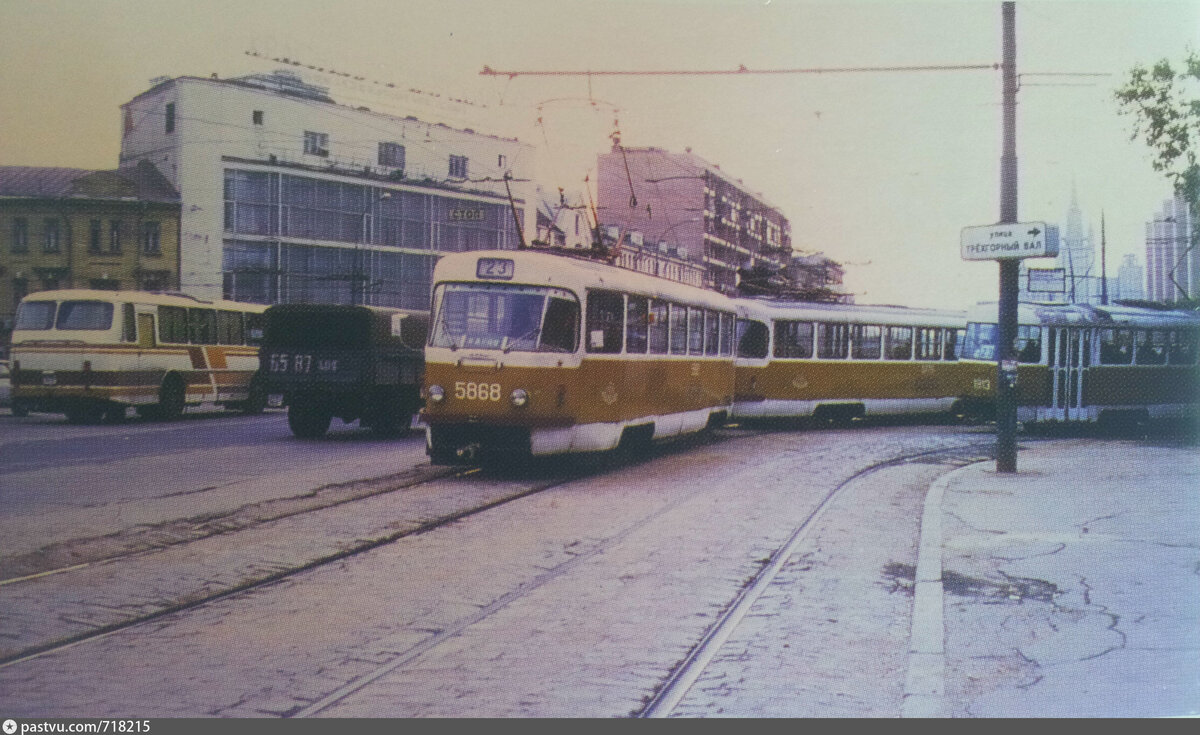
{"x":1006,"y":405}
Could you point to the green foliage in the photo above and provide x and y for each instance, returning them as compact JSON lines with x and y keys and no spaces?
{"x":1165,"y":103}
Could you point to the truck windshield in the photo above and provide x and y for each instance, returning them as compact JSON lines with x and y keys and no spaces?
{"x":338,"y":328}
{"x":503,"y":317}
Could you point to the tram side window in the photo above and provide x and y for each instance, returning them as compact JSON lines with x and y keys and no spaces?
{"x":752,"y":339}
{"x":929,"y":343}
{"x":1029,"y":344}
{"x":1183,"y":347}
{"x":726,"y":334}
{"x":1151,"y":347}
{"x":128,"y":324}
{"x":865,"y":345}
{"x":636,"y":313}
{"x":172,"y":324}
{"x":953,"y":344}
{"x":659,"y":327}
{"x":202,"y":326}
{"x":229,"y":328}
{"x":833,"y":341}
{"x":793,"y":339}
{"x":897,"y":343}
{"x":605,"y":322}
{"x":1116,"y":347}
{"x":695,"y":331}
{"x":678,"y":329}
{"x":712,"y":333}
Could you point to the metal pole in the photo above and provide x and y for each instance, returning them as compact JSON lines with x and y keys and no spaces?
{"x":1006,"y":406}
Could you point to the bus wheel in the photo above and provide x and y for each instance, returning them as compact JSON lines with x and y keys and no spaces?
{"x":308,"y":418}
{"x":171,"y":398}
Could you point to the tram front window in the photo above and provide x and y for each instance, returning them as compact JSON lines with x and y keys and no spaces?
{"x":980,"y":342}
{"x":507,"y":318}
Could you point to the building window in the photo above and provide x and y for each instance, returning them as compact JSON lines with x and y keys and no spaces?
{"x":20,"y":235}
{"x":316,"y":144}
{"x":170,"y":117}
{"x":257,"y":117}
{"x":151,"y":238}
{"x":105,"y":284}
{"x":114,"y":236}
{"x":95,"y":236}
{"x":501,"y":161}
{"x":20,"y":289}
{"x":391,"y":154}
{"x":458,"y":167}
{"x":51,"y":237}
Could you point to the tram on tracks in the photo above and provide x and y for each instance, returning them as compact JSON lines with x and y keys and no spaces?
{"x":840,"y":362}
{"x":91,"y":354}
{"x":1082,"y":363}
{"x":536,"y":354}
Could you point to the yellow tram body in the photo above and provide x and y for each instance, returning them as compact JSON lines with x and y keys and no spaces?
{"x":538,"y":354}
{"x":1090,"y":363}
{"x":844,"y":361}
{"x":90,"y":353}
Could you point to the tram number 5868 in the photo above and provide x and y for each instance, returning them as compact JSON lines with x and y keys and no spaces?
{"x":477,"y":391}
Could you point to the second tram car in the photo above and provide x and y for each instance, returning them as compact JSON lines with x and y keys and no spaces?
{"x":539,"y":354}
{"x":839,"y":362}
{"x":1089,"y":363}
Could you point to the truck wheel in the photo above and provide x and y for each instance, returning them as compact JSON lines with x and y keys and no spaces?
{"x":19,"y":409}
{"x":256,"y":399}
{"x":84,"y":413}
{"x":308,"y":419}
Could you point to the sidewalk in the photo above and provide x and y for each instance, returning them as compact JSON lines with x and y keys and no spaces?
{"x":1068,"y":589}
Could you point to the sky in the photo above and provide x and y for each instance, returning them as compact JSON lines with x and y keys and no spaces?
{"x":878,"y":170}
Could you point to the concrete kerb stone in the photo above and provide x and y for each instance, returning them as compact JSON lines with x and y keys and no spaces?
{"x":925,"y":685}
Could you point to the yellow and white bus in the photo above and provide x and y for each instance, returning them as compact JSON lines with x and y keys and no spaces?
{"x":91,"y":354}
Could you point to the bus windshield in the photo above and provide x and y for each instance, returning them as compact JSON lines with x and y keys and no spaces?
{"x":503,"y":317}
{"x":35,"y":315}
{"x":980,"y":343}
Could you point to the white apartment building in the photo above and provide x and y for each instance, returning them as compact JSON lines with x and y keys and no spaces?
{"x":290,"y":197}
{"x":1172,"y":265}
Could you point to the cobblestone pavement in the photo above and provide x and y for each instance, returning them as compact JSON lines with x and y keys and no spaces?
{"x":576,"y":601}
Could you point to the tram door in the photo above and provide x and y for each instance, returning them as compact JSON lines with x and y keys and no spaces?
{"x":1070,"y":358}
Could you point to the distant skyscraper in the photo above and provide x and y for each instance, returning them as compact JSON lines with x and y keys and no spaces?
{"x":1077,"y":257}
{"x":1172,"y":266}
{"x":1130,"y":277}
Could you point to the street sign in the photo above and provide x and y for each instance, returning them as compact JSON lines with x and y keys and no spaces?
{"x":1013,"y":240}
{"x":1047,"y":280}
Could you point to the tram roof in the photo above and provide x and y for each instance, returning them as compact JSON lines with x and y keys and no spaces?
{"x":1088,"y":314}
{"x":857,"y":313}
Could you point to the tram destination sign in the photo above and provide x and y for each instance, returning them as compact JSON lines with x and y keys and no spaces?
{"x":1013,"y":240}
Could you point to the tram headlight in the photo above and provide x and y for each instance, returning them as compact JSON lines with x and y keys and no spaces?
{"x":519,"y":397}
{"x":436,"y":394}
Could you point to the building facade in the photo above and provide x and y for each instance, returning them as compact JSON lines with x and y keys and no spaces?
{"x":1131,"y":279}
{"x":290,"y":197}
{"x":689,"y":203}
{"x":1172,"y":264}
{"x":76,"y":228}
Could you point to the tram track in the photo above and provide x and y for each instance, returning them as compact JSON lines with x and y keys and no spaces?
{"x":680,"y":681}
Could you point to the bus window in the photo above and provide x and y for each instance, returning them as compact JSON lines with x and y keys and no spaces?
{"x":898,"y":343}
{"x":636,"y":312}
{"x":793,"y":339}
{"x":128,"y":324}
{"x":929,"y":343}
{"x":678,"y":329}
{"x":172,"y":324}
{"x":865,"y":345}
{"x":85,"y":315}
{"x":1116,"y":347}
{"x":604,"y":321}
{"x":659,"y":327}
{"x":712,"y":333}
{"x":1029,"y":344}
{"x":202,"y":326}
{"x":229,"y":328}
{"x":833,"y":341}
{"x":35,"y":315}
{"x":752,"y":339}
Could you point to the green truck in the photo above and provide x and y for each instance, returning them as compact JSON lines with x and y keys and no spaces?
{"x":358,"y":363}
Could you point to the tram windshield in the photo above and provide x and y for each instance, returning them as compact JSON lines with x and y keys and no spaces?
{"x":980,"y":342}
{"x":503,"y":317}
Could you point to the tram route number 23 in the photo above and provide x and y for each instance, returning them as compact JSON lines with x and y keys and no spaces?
{"x":477,"y":391}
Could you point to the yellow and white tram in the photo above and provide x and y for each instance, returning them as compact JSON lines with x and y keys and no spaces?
{"x":90,"y":354}
{"x":1090,"y":363}
{"x":539,"y":354}
{"x":844,"y":361}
